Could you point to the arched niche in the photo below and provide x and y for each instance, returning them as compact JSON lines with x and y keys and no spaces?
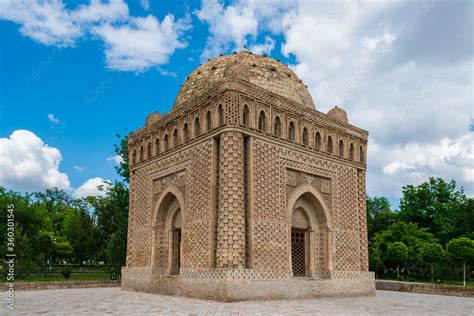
{"x":310,"y":233}
{"x":166,"y":253}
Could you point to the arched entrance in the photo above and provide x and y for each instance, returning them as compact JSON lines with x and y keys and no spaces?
{"x":174,"y":243}
{"x":167,"y":233}
{"x":310,"y":235}
{"x":299,"y":253}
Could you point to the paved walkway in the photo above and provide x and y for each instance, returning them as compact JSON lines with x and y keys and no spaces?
{"x":100,"y":301}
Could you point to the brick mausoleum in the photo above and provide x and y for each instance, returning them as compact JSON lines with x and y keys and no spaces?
{"x":245,"y":191}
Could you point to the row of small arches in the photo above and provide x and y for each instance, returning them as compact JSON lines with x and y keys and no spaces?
{"x":261,"y":126}
{"x":278,"y":132}
{"x":170,"y":142}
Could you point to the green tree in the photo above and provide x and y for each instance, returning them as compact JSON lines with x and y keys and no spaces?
{"x":31,"y":220}
{"x":111,"y":214}
{"x":432,"y":253}
{"x":121,"y":149}
{"x":63,"y":248}
{"x":398,"y":253}
{"x":24,"y":255}
{"x":465,"y":220}
{"x":461,"y":249}
{"x":116,"y":250}
{"x":412,"y":236}
{"x":379,"y":215}
{"x":80,"y":232}
{"x":435,"y":204}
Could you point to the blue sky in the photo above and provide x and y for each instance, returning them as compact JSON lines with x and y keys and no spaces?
{"x":92,"y":69}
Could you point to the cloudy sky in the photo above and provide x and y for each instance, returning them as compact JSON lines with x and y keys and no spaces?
{"x":75,"y":73}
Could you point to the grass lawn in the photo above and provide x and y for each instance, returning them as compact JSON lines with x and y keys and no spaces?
{"x":39,"y":278}
{"x":443,"y":282}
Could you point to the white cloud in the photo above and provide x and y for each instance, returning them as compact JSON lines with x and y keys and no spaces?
{"x":92,"y":188}
{"x":228,"y":25}
{"x":233,"y":25}
{"x":79,"y":168}
{"x":103,"y":12}
{"x":28,"y":164}
{"x":53,"y":119}
{"x":372,"y":42}
{"x":413,"y":163}
{"x":132,"y":43}
{"x":401,"y":73}
{"x":265,"y":48}
{"x":142,"y":43}
{"x":116,"y":159}
{"x":47,"y":22}
{"x":145,"y":4}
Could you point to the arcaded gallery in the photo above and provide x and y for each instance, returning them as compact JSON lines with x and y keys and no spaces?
{"x":245,"y":191}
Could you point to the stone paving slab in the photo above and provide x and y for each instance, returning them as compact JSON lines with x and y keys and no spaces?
{"x":100,"y":301}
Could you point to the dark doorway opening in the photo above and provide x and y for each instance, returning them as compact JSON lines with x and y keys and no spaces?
{"x":298,"y":256}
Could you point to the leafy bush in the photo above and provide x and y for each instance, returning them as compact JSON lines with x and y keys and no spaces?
{"x":66,"y":272}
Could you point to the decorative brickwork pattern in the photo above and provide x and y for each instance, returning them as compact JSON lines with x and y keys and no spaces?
{"x":231,"y":214}
{"x":240,"y":184}
{"x":362,"y":216}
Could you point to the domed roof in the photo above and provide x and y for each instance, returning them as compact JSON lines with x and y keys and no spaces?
{"x":338,"y":114}
{"x":260,"y":70}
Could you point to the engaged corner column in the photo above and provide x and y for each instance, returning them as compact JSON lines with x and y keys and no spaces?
{"x":231,"y":208}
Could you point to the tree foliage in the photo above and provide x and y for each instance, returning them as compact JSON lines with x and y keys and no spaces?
{"x":432,"y":215}
{"x":397,"y":252}
{"x":52,"y":227}
{"x":121,"y":149}
{"x":437,"y":205}
{"x":461,"y":249}
{"x":379,"y":215}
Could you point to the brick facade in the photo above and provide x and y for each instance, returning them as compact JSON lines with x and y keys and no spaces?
{"x":242,"y":158}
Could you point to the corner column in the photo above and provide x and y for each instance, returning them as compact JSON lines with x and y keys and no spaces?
{"x":231,"y":206}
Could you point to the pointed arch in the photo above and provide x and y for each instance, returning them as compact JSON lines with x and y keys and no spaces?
{"x":134,"y":157}
{"x":165,"y":143}
{"x":341,"y":148}
{"x":245,"y":115}
{"x":361,"y":154}
{"x":304,"y":137}
{"x":148,"y":150}
{"x":317,"y":141}
{"x":262,"y":121}
{"x":317,"y":197}
{"x":166,"y":232}
{"x":170,"y":190}
{"x":329,"y":146}
{"x":277,"y":127}
{"x":220,"y":111}
{"x":157,"y":146}
{"x":208,"y":121}
{"x":310,"y":228}
{"x":197,"y":127}
{"x":185,"y":133}
{"x":175,"y":137}
{"x":291,"y":131}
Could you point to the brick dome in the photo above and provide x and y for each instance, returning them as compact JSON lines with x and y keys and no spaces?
{"x":338,"y":114}
{"x":265,"y":72}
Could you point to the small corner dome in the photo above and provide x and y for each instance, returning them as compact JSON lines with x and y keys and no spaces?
{"x":152,"y":118}
{"x":338,"y":114}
